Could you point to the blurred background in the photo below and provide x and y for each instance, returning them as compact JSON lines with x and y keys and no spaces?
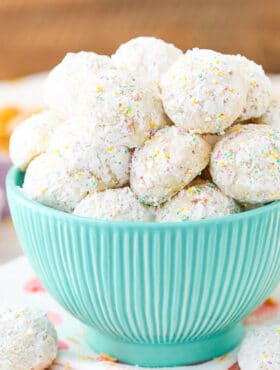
{"x":35,"y":35}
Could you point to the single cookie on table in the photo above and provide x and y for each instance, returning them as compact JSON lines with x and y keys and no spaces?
{"x":31,"y":138}
{"x":271,"y":116}
{"x":166,"y":163}
{"x":259,"y":88}
{"x":245,"y":164}
{"x":64,"y":83}
{"x":204,"y":91}
{"x":120,"y":108}
{"x":95,"y":165}
{"x":28,"y":340}
{"x":260,"y":349}
{"x":114,"y":204}
{"x":148,"y":56}
{"x":198,"y":201}
{"x":49,"y":180}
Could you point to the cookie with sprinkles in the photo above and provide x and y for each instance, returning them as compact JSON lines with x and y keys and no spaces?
{"x":200,"y":200}
{"x":31,"y":138}
{"x":114,"y":204}
{"x":65,"y":81}
{"x":28,"y":340}
{"x":148,"y":56}
{"x":259,"y":88}
{"x":272,"y":115}
{"x":121,"y":109}
{"x":166,"y":163}
{"x":245,"y":163}
{"x":95,"y":165}
{"x":49,"y":180}
{"x":260,"y":349}
{"x":204,"y":91}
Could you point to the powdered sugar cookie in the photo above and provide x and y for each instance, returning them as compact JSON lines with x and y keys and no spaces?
{"x":198,"y":201}
{"x":204,"y":91}
{"x":114,"y":204}
{"x":260,"y":349}
{"x":167,"y":163}
{"x":49,"y":180}
{"x":259,"y":88}
{"x":148,"y":56}
{"x":65,"y":81}
{"x":245,"y":164}
{"x":272,"y":115}
{"x":122,"y":110}
{"x":31,"y":138}
{"x":28,"y":340}
{"x":95,"y":165}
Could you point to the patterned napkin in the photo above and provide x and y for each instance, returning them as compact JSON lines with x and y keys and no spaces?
{"x":23,"y":288}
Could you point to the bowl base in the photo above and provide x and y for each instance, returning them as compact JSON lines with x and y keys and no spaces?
{"x":163,"y":355}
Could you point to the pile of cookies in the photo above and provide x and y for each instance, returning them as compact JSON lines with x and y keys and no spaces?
{"x":152,"y":133}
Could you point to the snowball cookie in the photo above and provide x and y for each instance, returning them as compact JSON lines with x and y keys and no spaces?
{"x":28,"y":340}
{"x":65,"y":82}
{"x":114,"y":204}
{"x":200,"y":200}
{"x":259,"y":88}
{"x":122,"y":110}
{"x":148,"y":56}
{"x":94,"y":164}
{"x":245,"y":164}
{"x":31,"y":138}
{"x":48,"y":180}
{"x":260,"y":349}
{"x":272,"y":115}
{"x":166,"y":163}
{"x":203,"y":91}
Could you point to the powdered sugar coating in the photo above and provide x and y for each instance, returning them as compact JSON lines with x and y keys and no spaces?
{"x":259,"y":88}
{"x":65,"y":82}
{"x":198,"y":201}
{"x":49,"y":180}
{"x":272,"y":115}
{"x":260,"y":349}
{"x":28,"y":340}
{"x":203,"y":91}
{"x":245,"y":164}
{"x":95,"y":165}
{"x":121,"y":108}
{"x":31,"y":138}
{"x":166,"y":163}
{"x":148,"y":56}
{"x":114,"y":204}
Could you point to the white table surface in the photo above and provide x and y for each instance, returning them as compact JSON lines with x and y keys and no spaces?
{"x":19,"y":286}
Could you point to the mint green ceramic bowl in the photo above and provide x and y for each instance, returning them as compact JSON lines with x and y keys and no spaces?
{"x":153,"y":294}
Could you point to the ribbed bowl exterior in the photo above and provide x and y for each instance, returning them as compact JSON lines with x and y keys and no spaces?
{"x":151,"y":283}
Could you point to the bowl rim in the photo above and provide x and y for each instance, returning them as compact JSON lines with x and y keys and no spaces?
{"x":14,"y":180}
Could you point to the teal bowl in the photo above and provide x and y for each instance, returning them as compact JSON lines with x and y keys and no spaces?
{"x":153,"y":294}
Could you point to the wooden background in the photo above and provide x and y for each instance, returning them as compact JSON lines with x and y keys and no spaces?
{"x":35,"y":34}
